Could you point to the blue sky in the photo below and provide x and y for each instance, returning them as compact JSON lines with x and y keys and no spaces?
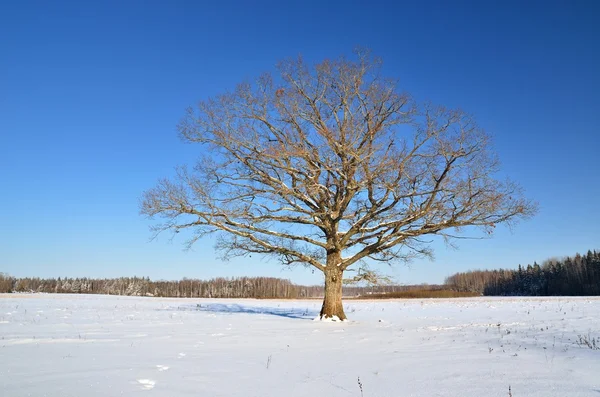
{"x":90,"y":93}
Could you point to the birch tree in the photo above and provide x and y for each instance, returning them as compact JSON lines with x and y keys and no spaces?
{"x":331,"y":166}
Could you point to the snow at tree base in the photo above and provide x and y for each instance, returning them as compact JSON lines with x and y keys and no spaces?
{"x":95,"y":345}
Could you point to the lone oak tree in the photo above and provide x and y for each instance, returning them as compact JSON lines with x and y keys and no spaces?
{"x":330,"y":166}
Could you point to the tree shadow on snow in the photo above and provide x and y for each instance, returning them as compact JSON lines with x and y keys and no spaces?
{"x":295,"y":313}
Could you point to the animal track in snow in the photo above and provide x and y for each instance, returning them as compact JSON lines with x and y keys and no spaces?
{"x":146,"y":384}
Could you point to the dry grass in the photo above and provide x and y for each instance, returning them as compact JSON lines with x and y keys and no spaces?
{"x":420,"y":294}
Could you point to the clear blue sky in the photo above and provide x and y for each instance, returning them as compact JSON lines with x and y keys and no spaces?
{"x":91,"y":91}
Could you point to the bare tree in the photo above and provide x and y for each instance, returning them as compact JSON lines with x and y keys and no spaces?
{"x":331,"y":166}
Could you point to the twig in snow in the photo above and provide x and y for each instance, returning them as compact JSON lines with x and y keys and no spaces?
{"x":360,"y":386}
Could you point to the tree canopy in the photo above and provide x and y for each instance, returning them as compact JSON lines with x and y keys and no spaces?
{"x":331,"y":165}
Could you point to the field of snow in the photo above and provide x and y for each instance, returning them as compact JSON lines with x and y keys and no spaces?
{"x":91,"y":345}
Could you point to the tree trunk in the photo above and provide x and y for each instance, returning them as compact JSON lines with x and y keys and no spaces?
{"x":332,"y":304}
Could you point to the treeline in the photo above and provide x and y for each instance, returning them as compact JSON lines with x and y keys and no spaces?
{"x":240,"y":287}
{"x":577,"y":275}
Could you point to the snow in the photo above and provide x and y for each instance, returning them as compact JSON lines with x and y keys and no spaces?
{"x":331,"y":319}
{"x":93,"y":345}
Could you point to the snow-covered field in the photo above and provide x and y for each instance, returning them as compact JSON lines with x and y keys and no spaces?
{"x":90,"y":345}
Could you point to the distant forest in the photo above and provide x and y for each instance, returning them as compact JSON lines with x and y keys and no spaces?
{"x":241,"y":287}
{"x":577,"y":275}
